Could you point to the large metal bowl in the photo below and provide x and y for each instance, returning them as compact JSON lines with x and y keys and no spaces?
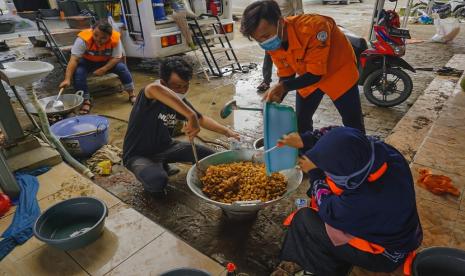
{"x":70,"y":101}
{"x":293,"y":177}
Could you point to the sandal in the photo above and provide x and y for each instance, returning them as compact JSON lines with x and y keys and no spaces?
{"x":132,"y":98}
{"x":289,"y":267}
{"x":263,"y":87}
{"x":85,"y":107}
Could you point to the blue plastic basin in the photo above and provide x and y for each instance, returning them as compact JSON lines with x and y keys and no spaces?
{"x":82,"y":145}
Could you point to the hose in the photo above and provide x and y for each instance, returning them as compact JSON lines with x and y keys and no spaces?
{"x":52,"y":138}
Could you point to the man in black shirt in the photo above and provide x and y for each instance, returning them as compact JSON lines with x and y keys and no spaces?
{"x":148,"y":146}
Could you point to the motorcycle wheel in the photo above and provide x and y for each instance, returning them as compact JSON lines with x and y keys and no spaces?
{"x":418,"y":9}
{"x":460,"y":13}
{"x":394,"y":92}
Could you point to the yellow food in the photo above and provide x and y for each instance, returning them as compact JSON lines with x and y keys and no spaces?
{"x":242,"y":181}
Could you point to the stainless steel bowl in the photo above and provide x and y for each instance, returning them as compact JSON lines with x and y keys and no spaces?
{"x":293,"y":177}
{"x":70,"y":101}
{"x":259,"y":144}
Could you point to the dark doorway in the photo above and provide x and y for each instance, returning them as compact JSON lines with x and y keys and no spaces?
{"x":28,"y":5}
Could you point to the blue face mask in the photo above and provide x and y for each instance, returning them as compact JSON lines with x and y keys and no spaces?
{"x":347,"y":182}
{"x":272,"y":43}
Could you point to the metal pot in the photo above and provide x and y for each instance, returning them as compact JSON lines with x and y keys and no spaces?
{"x":259,"y":144}
{"x":82,"y":135}
{"x":71,"y":102}
{"x":72,"y":224}
{"x":293,"y":176}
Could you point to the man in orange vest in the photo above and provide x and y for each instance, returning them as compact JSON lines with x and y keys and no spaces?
{"x":288,"y":8}
{"x":312,"y":56}
{"x":363,"y":209}
{"x":98,"y":51}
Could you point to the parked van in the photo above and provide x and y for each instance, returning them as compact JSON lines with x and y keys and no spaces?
{"x":147,"y":30}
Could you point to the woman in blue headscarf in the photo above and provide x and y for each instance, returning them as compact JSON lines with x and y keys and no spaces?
{"x":363,"y":206}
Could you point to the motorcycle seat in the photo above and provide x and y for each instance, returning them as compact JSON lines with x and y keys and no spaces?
{"x":359,"y":44}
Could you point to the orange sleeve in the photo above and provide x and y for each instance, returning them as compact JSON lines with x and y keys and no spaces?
{"x":318,"y":45}
{"x":283,"y":69}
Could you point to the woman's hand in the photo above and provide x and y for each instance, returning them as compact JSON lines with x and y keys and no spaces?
{"x":292,"y":140}
{"x":306,"y":164}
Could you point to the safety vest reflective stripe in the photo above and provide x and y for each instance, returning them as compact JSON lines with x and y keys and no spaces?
{"x":408,"y":263}
{"x":366,"y":246}
{"x":376,"y":175}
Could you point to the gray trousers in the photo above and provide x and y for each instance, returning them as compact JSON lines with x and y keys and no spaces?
{"x":150,"y":170}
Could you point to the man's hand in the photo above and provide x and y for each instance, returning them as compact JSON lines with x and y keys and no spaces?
{"x":292,"y":140}
{"x":64,"y":84}
{"x":232,"y":134}
{"x":275,"y":93}
{"x":306,"y":164}
{"x":100,"y":72}
{"x":191,"y":129}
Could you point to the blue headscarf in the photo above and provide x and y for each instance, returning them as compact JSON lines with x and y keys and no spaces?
{"x":383,"y":211}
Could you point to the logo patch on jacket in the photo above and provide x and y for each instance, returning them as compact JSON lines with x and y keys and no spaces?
{"x":322,"y":36}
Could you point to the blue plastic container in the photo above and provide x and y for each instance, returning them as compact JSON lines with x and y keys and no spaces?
{"x":278,"y":121}
{"x":82,"y":136}
{"x":158,"y":10}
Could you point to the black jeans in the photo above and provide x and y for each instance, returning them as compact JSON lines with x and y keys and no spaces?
{"x":149,"y":170}
{"x":308,"y":245}
{"x":348,"y":106}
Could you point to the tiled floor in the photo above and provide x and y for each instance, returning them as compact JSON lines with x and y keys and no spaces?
{"x":443,"y":152}
{"x":130,"y":244}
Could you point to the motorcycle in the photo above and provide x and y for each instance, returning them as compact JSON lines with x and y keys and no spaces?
{"x":381,"y":67}
{"x":455,"y":8}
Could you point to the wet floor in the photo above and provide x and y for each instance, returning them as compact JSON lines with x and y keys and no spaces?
{"x":252,"y":244}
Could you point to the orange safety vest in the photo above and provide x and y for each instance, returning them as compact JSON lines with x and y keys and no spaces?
{"x":317,"y":46}
{"x":98,"y":53}
{"x":360,"y":244}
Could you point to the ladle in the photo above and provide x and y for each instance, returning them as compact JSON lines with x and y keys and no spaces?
{"x":56,"y":104}
{"x":232,"y":105}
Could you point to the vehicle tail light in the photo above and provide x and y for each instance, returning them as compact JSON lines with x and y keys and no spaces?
{"x":228,"y":28}
{"x":171,"y":40}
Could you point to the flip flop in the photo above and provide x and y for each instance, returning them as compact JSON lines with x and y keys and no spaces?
{"x":132,"y":99}
{"x":83,"y":110}
{"x":263,"y":87}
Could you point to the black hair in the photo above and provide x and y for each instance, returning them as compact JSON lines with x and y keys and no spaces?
{"x":175,"y":65}
{"x":104,"y":26}
{"x":265,"y":9}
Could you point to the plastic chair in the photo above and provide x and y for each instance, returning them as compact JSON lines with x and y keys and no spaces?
{"x":436,"y":261}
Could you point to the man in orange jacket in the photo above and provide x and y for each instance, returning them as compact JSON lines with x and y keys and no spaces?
{"x":97,"y":50}
{"x":312,"y":56}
